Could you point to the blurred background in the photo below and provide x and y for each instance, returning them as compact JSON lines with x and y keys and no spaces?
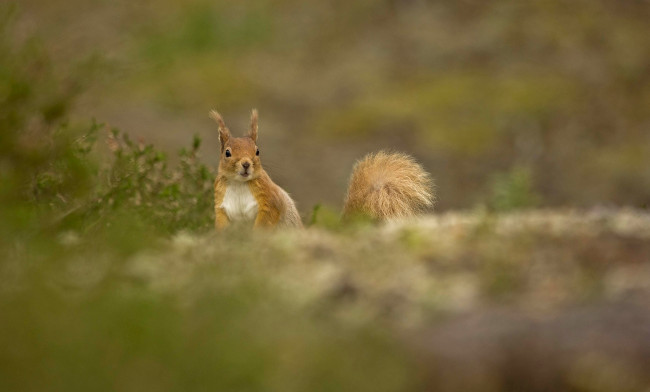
{"x":506,"y":103}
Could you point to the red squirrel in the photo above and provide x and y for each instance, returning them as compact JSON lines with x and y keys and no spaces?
{"x":383,"y":186}
{"x":243,"y":191}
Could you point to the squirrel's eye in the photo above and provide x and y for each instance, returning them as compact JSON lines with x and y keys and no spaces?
{"x":228,"y":154}
{"x":257,"y":152}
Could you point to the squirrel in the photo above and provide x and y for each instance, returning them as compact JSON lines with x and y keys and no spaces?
{"x":243,"y":191}
{"x":384,"y":186}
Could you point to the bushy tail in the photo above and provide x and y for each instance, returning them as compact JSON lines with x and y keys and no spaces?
{"x":387,"y":186}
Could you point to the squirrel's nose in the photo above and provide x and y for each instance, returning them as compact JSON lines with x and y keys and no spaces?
{"x":246,"y":165}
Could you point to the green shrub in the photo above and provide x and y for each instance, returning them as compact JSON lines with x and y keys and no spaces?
{"x":141,"y":181}
{"x":49,"y":177}
{"x":43,"y":162}
{"x":513,"y":190}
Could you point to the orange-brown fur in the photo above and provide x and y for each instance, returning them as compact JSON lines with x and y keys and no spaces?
{"x":270,"y":205}
{"x":387,"y":186}
{"x":221,"y":219}
{"x":275,"y":207}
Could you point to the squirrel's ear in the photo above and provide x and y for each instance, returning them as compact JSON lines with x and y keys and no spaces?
{"x":253,"y":131}
{"x":224,"y":132}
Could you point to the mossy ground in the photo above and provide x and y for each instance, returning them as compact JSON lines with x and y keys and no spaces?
{"x":364,"y":308}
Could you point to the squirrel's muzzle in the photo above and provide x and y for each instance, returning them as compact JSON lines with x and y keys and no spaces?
{"x":246,"y":169}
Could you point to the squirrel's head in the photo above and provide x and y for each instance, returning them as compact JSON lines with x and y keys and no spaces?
{"x":240,"y":157}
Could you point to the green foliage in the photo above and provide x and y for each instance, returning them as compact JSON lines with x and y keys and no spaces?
{"x":49,"y":176}
{"x":513,"y":190}
{"x":325,"y":217}
{"x":43,"y":164}
{"x":140,"y":181}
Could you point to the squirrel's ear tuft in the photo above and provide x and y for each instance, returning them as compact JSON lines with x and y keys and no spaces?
{"x":253,"y":131}
{"x":224,"y":132}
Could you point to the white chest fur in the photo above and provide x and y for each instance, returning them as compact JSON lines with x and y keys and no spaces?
{"x":239,"y":203}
